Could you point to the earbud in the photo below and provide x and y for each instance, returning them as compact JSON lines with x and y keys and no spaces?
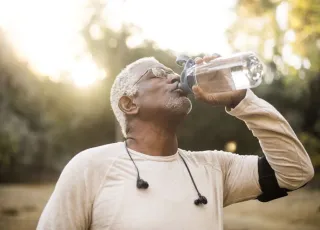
{"x":141,"y":184}
{"x":201,"y":200}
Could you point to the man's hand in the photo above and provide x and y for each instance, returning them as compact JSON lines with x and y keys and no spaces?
{"x":229,"y":99}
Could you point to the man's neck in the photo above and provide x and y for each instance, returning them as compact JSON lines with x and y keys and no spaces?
{"x":154,"y":140}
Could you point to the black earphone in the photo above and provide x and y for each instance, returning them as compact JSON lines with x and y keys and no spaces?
{"x":142,"y":184}
{"x":201,"y":199}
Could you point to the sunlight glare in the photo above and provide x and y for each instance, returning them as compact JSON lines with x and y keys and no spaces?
{"x":282,"y":15}
{"x":47,"y":35}
{"x":84,"y":72}
{"x":268,"y":48}
{"x":193,"y":30}
{"x":289,"y":36}
{"x":290,"y":58}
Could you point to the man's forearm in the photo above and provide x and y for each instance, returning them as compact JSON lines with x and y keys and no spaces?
{"x":283,"y":150}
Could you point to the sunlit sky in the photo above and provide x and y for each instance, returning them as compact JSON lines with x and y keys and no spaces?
{"x":46,"y":32}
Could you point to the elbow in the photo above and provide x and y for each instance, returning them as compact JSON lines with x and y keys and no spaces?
{"x":297,"y":180}
{"x":309,"y":174}
{"x":306,"y":175}
{"x":304,"y":172}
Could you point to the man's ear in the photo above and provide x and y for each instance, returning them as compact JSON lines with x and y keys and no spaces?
{"x":127,"y":105}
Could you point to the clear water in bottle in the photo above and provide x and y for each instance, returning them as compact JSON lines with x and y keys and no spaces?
{"x":223,"y":74}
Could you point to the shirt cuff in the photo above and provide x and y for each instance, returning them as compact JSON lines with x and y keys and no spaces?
{"x":240,"y":108}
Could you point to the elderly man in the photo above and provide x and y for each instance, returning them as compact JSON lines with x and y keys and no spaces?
{"x":147,"y":182}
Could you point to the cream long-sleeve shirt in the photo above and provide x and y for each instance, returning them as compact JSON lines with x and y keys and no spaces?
{"x":97,"y":189}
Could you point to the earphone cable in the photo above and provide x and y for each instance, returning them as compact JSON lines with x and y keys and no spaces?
{"x":194,"y":184}
{"x":132,"y":160}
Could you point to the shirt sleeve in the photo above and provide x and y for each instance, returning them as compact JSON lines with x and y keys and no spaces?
{"x":283,"y":150}
{"x":240,"y":176}
{"x":69,"y":206}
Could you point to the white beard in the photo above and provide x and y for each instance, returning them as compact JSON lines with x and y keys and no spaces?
{"x":181,"y":105}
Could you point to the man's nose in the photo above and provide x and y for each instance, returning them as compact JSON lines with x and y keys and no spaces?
{"x":174,"y":78}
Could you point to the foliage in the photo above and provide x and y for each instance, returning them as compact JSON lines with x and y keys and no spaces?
{"x":44,"y":123}
{"x":286,"y":35}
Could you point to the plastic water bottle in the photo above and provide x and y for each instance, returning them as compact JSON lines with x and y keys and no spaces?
{"x":223,"y":74}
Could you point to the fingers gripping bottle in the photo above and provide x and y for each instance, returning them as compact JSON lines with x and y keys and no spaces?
{"x":223,"y":74}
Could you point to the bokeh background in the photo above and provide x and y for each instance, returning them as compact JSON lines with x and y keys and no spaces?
{"x":58,"y":59}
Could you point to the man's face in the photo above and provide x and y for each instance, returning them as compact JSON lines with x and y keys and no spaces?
{"x":158,"y":93}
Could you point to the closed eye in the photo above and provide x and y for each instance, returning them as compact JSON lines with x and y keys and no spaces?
{"x":159,"y":72}
{"x":169,"y":72}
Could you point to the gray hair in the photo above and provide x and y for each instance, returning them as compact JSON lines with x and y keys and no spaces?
{"x":124,"y":84}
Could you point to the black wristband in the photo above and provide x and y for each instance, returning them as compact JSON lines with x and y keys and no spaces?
{"x":268,"y":182}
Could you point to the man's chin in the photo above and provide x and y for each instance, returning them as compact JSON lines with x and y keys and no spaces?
{"x":182,"y":106}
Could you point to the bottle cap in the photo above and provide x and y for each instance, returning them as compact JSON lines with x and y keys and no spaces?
{"x":187,"y":76}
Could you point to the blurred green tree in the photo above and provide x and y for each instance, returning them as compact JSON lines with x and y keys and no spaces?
{"x":286,"y":35}
{"x":45,"y":123}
